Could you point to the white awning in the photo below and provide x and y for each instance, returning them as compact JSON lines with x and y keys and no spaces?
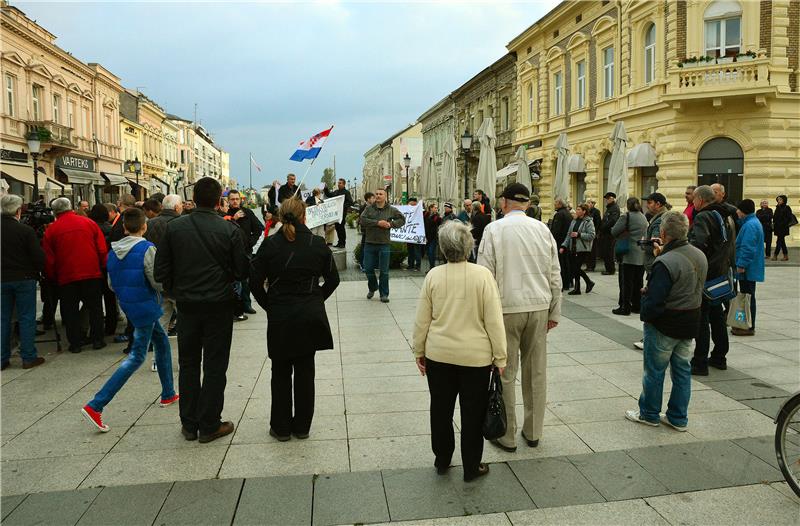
{"x":81,"y":177}
{"x":507,"y":170}
{"x":576,"y":164}
{"x":642,"y":155}
{"x":114,"y":179}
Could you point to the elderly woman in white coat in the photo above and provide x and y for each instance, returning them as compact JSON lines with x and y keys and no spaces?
{"x":632,"y":226}
{"x":578,"y":245}
{"x":458,"y":336}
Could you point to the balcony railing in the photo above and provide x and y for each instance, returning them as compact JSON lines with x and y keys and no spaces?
{"x":52,"y":134}
{"x":716,"y":78}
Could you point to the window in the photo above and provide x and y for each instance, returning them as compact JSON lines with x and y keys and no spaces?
{"x":530,"y":102}
{"x":581,"y":83}
{"x":36,"y":102}
{"x":558,"y":107}
{"x":10,"y":95}
{"x":71,"y":114}
{"x":608,"y":72}
{"x":650,"y":54}
{"x":723,"y":21}
{"x":57,"y":108}
{"x":108,"y":137}
{"x":87,"y":126}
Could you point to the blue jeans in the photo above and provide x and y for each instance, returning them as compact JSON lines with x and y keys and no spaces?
{"x":21,"y":294}
{"x":141,"y":341}
{"x":414,"y":255}
{"x":749,"y":287}
{"x":377,"y":256}
{"x":659,"y":351}
{"x":432,"y":249}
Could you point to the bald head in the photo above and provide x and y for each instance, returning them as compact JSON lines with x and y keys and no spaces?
{"x":719,"y":192}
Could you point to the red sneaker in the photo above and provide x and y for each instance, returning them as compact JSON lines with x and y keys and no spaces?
{"x":95,"y":418}
{"x":169,"y":401}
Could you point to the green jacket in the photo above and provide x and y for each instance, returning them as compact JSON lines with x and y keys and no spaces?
{"x":369,"y":221}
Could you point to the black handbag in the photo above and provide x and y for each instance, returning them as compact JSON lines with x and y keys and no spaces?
{"x":494,"y":424}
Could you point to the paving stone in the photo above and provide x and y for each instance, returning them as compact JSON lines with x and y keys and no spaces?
{"x":732,"y":462}
{"x":368,"y":454}
{"x":617,"y":476}
{"x":730,"y":424}
{"x":715,"y":375}
{"x":349,"y":498}
{"x":677,"y":468}
{"x":490,"y":519}
{"x":46,"y":474}
{"x":276,"y":501}
{"x":286,"y":458}
{"x":201,"y":502}
{"x":9,"y":503}
{"x":59,"y":507}
{"x":613,"y":330}
{"x":128,"y":505}
{"x":763,"y":447}
{"x":747,"y":389}
{"x":554,"y":482}
{"x":388,"y":424}
{"x":624,"y":513}
{"x":421,"y":493}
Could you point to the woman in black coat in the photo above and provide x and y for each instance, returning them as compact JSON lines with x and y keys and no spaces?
{"x":289,"y":266}
{"x":782,"y":219}
{"x":764,"y":216}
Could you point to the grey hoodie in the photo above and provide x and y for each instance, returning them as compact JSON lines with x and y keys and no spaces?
{"x":122,"y":247}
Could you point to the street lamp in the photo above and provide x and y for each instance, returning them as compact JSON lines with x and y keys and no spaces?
{"x":33,"y":145}
{"x":137,"y":167}
{"x":179,"y":178}
{"x":466,"y":145}
{"x":406,"y":163}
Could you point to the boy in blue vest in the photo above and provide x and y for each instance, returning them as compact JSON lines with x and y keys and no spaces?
{"x":130,"y":275}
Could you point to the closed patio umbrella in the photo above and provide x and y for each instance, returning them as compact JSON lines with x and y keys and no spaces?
{"x":428,"y":176}
{"x":618,"y":166}
{"x":523,"y":171}
{"x":561,"y":180}
{"x":448,"y":177}
{"x":486,"y":178}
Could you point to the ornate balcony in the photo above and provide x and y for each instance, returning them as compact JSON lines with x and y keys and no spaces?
{"x":717,"y":81}
{"x":56,"y":138}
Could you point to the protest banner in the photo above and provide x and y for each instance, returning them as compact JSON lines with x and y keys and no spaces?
{"x":328,"y":211}
{"x":414,"y":229}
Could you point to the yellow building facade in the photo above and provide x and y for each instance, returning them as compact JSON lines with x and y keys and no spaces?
{"x":731,"y":117}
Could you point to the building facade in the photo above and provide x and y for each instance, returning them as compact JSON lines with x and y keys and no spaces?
{"x":731,"y":116}
{"x":169,"y":132}
{"x":438,"y":127}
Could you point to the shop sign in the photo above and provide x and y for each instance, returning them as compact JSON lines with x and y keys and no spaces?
{"x":12,"y":156}
{"x":75,"y":162}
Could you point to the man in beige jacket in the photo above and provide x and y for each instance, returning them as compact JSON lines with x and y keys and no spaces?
{"x":523,"y":256}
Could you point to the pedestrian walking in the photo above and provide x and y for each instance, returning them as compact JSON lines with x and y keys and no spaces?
{"x":369,"y":198}
{"x":764,"y":216}
{"x":288,"y":269}
{"x":578,"y":246}
{"x":712,"y":234}
{"x":597,"y":219}
{"x":23,"y":262}
{"x":75,"y":251}
{"x":341,"y":230}
{"x":632,"y":227}
{"x":432,"y":221}
{"x":130,"y":273}
{"x":377,"y":219}
{"x":782,"y":220}
{"x":606,"y":238}
{"x":523,"y":258}
{"x":749,"y":263}
{"x":458,"y":337}
{"x":200,"y":257}
{"x":671,"y":312}
{"x":559,"y":228}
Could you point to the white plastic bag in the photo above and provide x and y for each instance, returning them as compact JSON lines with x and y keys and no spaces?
{"x":739,"y":316}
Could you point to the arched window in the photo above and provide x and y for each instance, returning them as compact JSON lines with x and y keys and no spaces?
{"x":530,"y":103}
{"x":650,"y":54}
{"x":723,"y":28}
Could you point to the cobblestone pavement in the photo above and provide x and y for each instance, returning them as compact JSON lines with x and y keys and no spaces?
{"x":368,"y":458}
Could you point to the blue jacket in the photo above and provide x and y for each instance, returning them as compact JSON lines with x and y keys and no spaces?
{"x":750,"y":248}
{"x":127,"y":275}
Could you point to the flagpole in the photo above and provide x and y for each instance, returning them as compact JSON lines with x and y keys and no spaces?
{"x":251,"y":169}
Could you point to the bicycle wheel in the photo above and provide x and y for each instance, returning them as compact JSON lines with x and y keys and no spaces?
{"x":787,"y":442}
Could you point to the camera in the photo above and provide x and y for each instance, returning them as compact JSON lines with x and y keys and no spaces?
{"x":647,"y":242}
{"x":37,"y":216}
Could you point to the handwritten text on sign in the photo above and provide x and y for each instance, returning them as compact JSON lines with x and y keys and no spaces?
{"x":414,"y":229}
{"x":329,"y":211}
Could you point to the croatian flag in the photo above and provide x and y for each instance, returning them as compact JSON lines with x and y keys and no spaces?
{"x":310,"y":149}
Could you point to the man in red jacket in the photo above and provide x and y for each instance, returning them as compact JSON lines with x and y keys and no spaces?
{"x":75,"y":253}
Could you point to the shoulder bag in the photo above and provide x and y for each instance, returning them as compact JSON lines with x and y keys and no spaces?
{"x":623,"y":245}
{"x":494,"y":424}
{"x":720,"y":289}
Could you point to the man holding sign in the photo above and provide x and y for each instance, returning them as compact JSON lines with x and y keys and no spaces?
{"x":414,"y":249}
{"x":377,"y":220}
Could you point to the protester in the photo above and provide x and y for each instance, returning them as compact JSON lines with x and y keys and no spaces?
{"x":252,"y":230}
{"x":200,"y":257}
{"x":606,"y":238}
{"x":341,"y":230}
{"x":313,"y":200}
{"x":75,"y":251}
{"x":22,"y":263}
{"x":449,"y":215}
{"x":713,"y":235}
{"x":377,"y":219}
{"x":414,"y":249}
{"x":749,"y":263}
{"x":534,"y":210}
{"x":99,"y":214}
{"x":523,"y":257}
{"x":671,"y":311}
{"x":764,"y":216}
{"x":478,"y":221}
{"x":631,"y":226}
{"x":458,"y":337}
{"x":689,"y":211}
{"x":559,"y":228}
{"x":465,"y":214}
{"x":130,"y":273}
{"x":432,"y":221}
{"x":782,"y":220}
{"x":291,"y":265}
{"x":481,"y":197}
{"x":369,"y":198}
{"x":578,"y":245}
{"x":152,"y":207}
{"x":288,"y":190}
{"x":189,"y":206}
{"x":597,"y":219}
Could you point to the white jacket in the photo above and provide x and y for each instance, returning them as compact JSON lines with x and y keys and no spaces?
{"x":523,"y":256}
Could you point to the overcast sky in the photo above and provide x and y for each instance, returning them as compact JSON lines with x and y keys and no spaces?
{"x":267,"y":75}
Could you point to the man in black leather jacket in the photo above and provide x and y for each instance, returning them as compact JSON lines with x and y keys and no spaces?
{"x":199,"y":258}
{"x":341,"y":231}
{"x":559,"y":227}
{"x":606,"y":239}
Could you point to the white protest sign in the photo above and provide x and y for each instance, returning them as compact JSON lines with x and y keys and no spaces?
{"x":305,"y":194}
{"x":328,"y":211}
{"x":414,"y":229}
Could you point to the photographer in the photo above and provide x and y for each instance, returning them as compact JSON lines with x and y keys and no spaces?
{"x":23,"y":261}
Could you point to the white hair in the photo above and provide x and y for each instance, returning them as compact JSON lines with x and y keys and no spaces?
{"x":61,"y":205}
{"x":171,"y":201}
{"x":675,"y":224}
{"x":455,"y":241}
{"x":10,"y":204}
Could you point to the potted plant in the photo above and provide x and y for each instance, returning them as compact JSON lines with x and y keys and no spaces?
{"x":746,"y":57}
{"x":724,"y":60}
{"x":44,"y":134}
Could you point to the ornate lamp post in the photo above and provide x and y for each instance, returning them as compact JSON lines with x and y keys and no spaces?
{"x":466,"y":145}
{"x":406,"y":163}
{"x":34,"y":144}
{"x":137,"y":167}
{"x":179,"y":178}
